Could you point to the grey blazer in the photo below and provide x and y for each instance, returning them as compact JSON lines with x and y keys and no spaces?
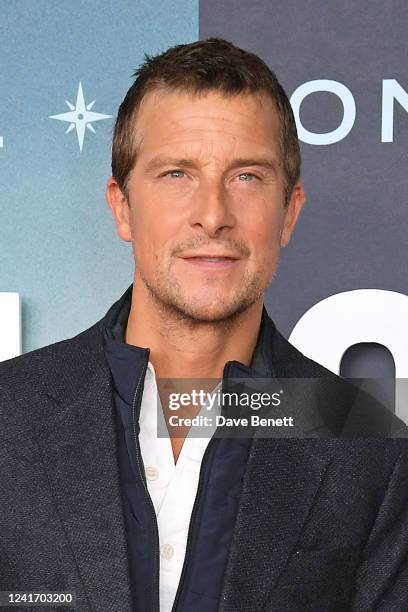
{"x":322,"y":523}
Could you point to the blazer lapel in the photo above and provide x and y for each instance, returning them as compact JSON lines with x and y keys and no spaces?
{"x":280,"y":484}
{"x":281,"y":480}
{"x":77,"y":438}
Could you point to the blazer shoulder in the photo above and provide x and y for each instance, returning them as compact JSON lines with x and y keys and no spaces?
{"x":23,"y":379}
{"x":25,"y":366}
{"x":291,"y":363}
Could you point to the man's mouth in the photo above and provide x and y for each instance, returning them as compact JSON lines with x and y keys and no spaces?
{"x":213,"y":258}
{"x":211,"y":262}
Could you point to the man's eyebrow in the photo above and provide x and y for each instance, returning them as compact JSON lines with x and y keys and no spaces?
{"x":159,"y":162}
{"x":269,"y":163}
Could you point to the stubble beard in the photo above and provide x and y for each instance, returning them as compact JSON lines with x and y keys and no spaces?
{"x":177,"y":305}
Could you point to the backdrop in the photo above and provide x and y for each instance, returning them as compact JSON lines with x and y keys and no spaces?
{"x":344,"y":67}
{"x":354,"y":231}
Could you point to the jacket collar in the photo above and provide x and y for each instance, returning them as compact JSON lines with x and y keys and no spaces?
{"x":273,"y":361}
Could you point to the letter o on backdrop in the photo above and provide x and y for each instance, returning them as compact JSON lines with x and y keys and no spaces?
{"x":334,"y":324}
{"x":349,"y":111}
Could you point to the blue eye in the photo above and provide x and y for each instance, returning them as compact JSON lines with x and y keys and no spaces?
{"x":248,"y":177}
{"x":175,"y":173}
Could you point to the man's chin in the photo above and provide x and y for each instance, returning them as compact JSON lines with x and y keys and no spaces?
{"x":211,"y":312}
{"x":199,"y":304}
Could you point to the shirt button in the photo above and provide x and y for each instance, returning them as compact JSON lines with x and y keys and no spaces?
{"x":167,"y":551}
{"x":152,"y":473}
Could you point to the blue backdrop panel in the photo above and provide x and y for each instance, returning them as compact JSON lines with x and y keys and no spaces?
{"x":58,"y":246}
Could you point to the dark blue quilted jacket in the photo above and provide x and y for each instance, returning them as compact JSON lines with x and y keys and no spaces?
{"x":219,"y":487}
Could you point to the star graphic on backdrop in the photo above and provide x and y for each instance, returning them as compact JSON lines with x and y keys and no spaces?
{"x":80,"y":116}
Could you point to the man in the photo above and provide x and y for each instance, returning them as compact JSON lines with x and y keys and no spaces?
{"x":206,"y":187}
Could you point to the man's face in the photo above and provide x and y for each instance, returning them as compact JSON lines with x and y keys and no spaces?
{"x":205,"y":210}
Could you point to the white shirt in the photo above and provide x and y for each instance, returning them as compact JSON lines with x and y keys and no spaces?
{"x":172,"y":487}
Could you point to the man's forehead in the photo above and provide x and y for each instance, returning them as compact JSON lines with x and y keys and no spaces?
{"x":211,"y":104}
{"x":199,"y":119}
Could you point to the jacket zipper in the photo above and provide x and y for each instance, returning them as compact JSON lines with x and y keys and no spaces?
{"x":194,"y":513}
{"x":191,"y":527}
{"x":143,"y":478}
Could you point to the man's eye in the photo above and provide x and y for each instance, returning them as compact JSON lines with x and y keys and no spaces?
{"x":246,"y":177}
{"x":175,"y":173}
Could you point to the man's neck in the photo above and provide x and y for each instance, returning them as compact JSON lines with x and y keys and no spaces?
{"x":183,"y":348}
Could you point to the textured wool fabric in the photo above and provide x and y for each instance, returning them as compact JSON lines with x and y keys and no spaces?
{"x":322,"y":522}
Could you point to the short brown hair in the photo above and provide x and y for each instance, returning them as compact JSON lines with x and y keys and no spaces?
{"x":206,"y":65}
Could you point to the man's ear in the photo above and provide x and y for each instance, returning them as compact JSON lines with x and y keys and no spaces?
{"x":119,"y":205}
{"x":295,"y":205}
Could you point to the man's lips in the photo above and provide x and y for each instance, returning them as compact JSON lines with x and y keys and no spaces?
{"x":211,"y":262}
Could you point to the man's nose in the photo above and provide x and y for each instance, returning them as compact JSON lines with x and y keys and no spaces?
{"x":212,"y":207}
